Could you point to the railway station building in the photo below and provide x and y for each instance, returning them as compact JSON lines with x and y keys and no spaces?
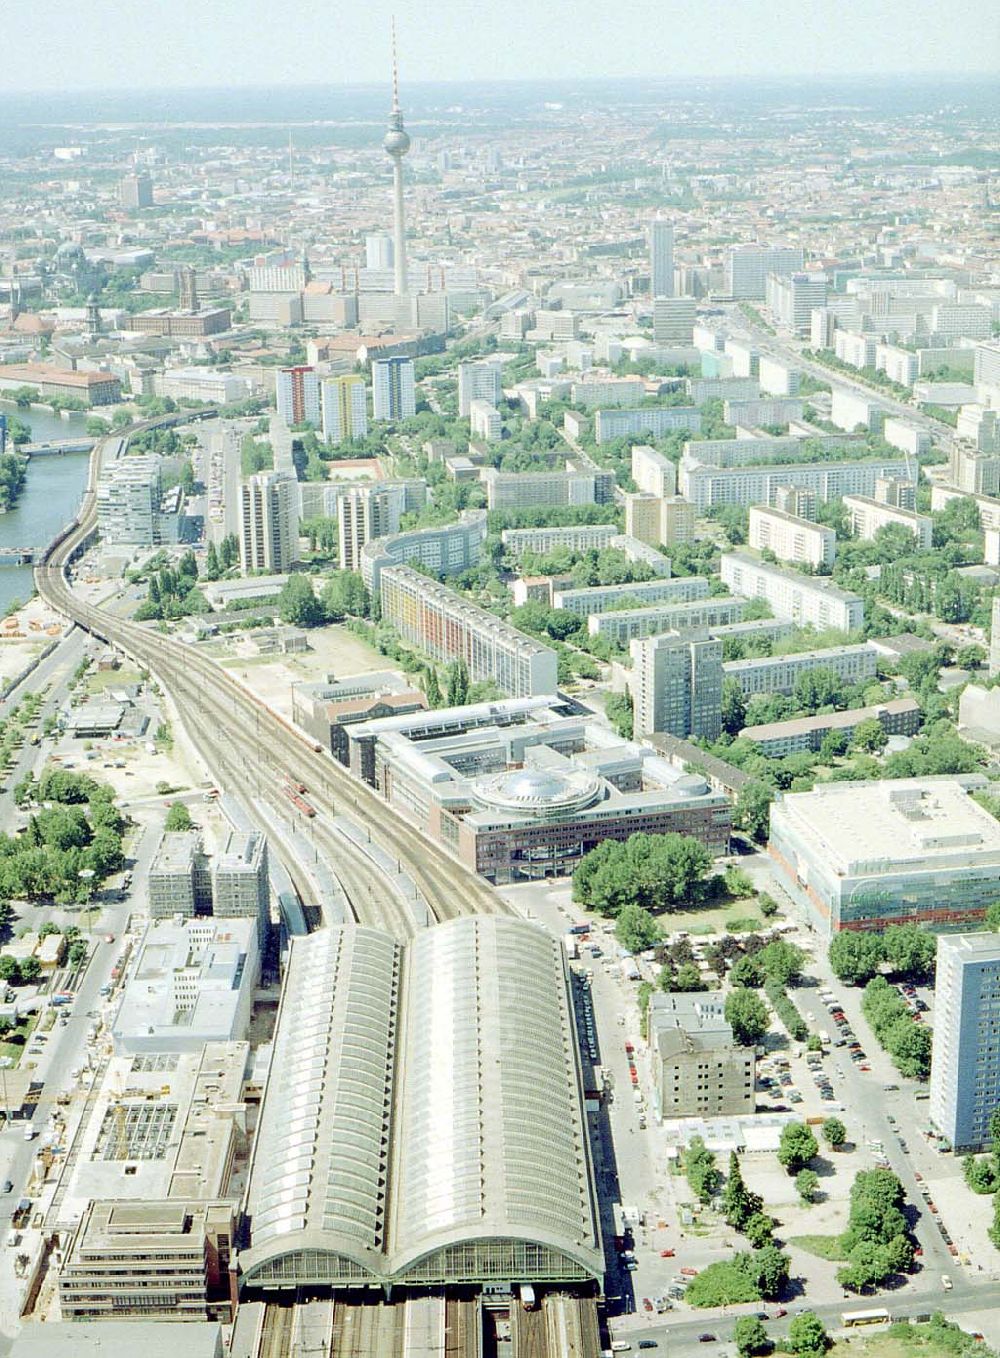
{"x":414,"y":1131}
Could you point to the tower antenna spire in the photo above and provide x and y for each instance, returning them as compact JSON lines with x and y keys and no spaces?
{"x":395,"y":70}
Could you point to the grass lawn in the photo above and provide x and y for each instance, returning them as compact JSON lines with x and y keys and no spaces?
{"x":97,"y":681}
{"x":910,"y":1341}
{"x":822,"y":1246}
{"x":15,"y":1050}
{"x":712,"y":919}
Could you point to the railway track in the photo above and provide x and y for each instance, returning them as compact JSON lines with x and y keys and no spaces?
{"x":241,"y":721}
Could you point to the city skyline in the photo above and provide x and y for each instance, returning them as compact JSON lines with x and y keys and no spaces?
{"x":678,"y":40}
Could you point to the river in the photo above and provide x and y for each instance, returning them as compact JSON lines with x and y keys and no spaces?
{"x":50,"y":498}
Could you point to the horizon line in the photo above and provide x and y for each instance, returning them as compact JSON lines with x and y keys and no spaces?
{"x":756,"y":78}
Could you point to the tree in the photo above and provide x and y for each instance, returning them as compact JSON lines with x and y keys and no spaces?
{"x":807,"y":1185}
{"x":345,"y":596}
{"x":969,"y":657}
{"x":781,"y":961}
{"x":432,"y":689}
{"x":700,"y":1170}
{"x":870,"y":735}
{"x":746,"y":1013}
{"x":991,"y":919}
{"x":297,"y":602}
{"x":834,"y":1133}
{"x":855,"y":957}
{"x":750,"y":1337}
{"x":738,"y":1203}
{"x":733,"y":708}
{"x":654,"y":871}
{"x":458,"y":683}
{"x":30,"y":969}
{"x":726,"y":1283}
{"x":753,"y":808}
{"x":909,"y":1044}
{"x":767,"y":905}
{"x":807,"y":1334}
{"x":747,"y":973}
{"x":178,"y":818}
{"x":636,"y":929}
{"x":910,"y":951}
{"x":796,"y":1147}
{"x":759,"y":1229}
{"x":212,"y":567}
{"x":769,"y":1269}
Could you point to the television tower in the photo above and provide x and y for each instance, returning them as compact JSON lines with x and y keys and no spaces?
{"x":397,"y":143}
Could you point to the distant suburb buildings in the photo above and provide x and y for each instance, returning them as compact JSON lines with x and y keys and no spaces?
{"x":965,"y":1064}
{"x":864,"y":855}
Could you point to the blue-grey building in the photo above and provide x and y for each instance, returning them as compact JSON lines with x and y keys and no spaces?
{"x":965,"y":1067}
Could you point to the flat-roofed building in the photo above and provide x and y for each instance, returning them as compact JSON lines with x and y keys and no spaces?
{"x":269,"y":522}
{"x":705,"y":483}
{"x":652,"y":421}
{"x":604,"y":598}
{"x":905,"y":850}
{"x":93,"y":388}
{"x":776,"y":739}
{"x":344,"y":408}
{"x":501,"y":1190}
{"x":849,"y":410}
{"x":166,"y":1258}
{"x":575,"y":537}
{"x":447,"y":550}
{"x":652,"y":472}
{"x":677,"y":685}
{"x":792,"y":596}
{"x":179,"y":882}
{"x":699,"y":1070}
{"x":791,"y":538}
{"x":777,"y":674}
{"x":973,"y":469}
{"x":629,"y":623}
{"x":326,"y":710}
{"x":485,"y":422}
{"x":525,"y":490}
{"x":479,"y":381}
{"x":240,"y":883}
{"x":365,"y":513}
{"x":965,"y":1060}
{"x":183,"y":324}
{"x":867,"y":516}
{"x":765,"y":410}
{"x":673,"y":320}
{"x":447,"y":627}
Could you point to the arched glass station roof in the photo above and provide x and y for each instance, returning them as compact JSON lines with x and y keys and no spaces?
{"x":423,"y":1120}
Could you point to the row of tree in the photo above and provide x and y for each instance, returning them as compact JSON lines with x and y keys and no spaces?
{"x":904,"y":950}
{"x":906,"y":1041}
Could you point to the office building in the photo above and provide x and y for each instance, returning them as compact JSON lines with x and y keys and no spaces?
{"x":447,"y":628}
{"x":650,"y":421}
{"x":269,"y":523}
{"x":673,"y":320}
{"x":168,"y":1258}
{"x":791,"y":538}
{"x":901,"y":851}
{"x":393,"y":389}
{"x":129,"y":496}
{"x":92,"y":388}
{"x":604,"y":598}
{"x":661,"y":258}
{"x":523,"y":490}
{"x":193,"y":982}
{"x":793,"y":298}
{"x":185,"y":881}
{"x":699,"y":1070}
{"x":652,"y":472}
{"x":747,"y":268}
{"x":966,"y":319}
{"x":446,"y":550}
{"x":677,"y":685}
{"x":522,"y":788}
{"x":344,"y":408}
{"x":240,"y":883}
{"x":626,"y":624}
{"x":135,"y":191}
{"x":479,"y":381}
{"x":326,"y":710}
{"x":867,"y":516}
{"x":364,"y":513}
{"x":793,"y":597}
{"x":777,"y":739}
{"x":297,"y":392}
{"x":181,"y":324}
{"x":778,"y":673}
{"x":207,"y":386}
{"x":485,"y":422}
{"x":179,"y":880}
{"x":965,"y":1059}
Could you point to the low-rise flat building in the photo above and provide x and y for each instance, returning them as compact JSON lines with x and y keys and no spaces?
{"x":699,"y":1070}
{"x":791,"y":538}
{"x":776,"y":739}
{"x":763,"y":411}
{"x":180,"y":324}
{"x":326,"y":710}
{"x":905,"y":850}
{"x":629,"y":623}
{"x":606,"y":598}
{"x":798,"y":598}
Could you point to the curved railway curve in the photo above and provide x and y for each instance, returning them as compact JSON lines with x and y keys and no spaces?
{"x":233,"y":722}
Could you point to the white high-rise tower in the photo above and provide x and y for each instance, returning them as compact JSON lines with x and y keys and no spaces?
{"x":396,"y":143}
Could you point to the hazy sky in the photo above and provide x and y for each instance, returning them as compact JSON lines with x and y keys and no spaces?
{"x":81,"y":44}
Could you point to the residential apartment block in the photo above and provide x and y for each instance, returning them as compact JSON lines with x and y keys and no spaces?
{"x":706,"y":484}
{"x":867,"y":516}
{"x":446,"y":627}
{"x":603,"y":598}
{"x":394,"y":388}
{"x":629,"y":623}
{"x":269,"y":522}
{"x":652,"y":421}
{"x":365,"y":512}
{"x":297,"y":392}
{"x":776,"y":739}
{"x":794,"y":597}
{"x":791,"y":538}
{"x":575,"y":537}
{"x":965,"y":1060}
{"x":344,"y":408}
{"x":652,"y":472}
{"x":479,"y":381}
{"x":762,"y":411}
{"x":445,"y":550}
{"x":677,"y":685}
{"x":524,"y":490}
{"x":777,"y":674}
